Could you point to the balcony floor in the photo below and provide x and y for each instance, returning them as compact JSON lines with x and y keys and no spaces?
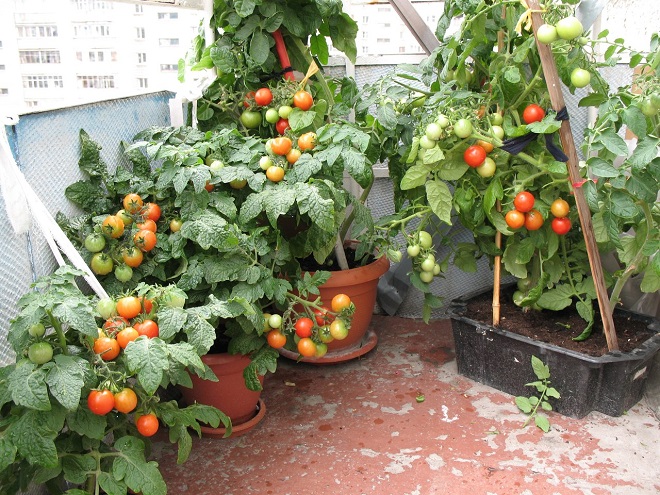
{"x":357,"y":428}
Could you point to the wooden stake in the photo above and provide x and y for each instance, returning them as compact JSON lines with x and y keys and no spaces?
{"x":497,"y":276}
{"x":566,"y":136}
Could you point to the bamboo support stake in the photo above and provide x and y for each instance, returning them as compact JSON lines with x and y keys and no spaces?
{"x":566,"y":136}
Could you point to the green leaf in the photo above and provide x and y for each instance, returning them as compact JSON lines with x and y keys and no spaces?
{"x":89,"y":197}
{"x":440,"y":200}
{"x":623,"y":205}
{"x":7,"y":453}
{"x":131,"y":466}
{"x":556,"y":299}
{"x":523,"y":404}
{"x":651,"y":279}
{"x":281,"y":198}
{"x":645,"y":151}
{"x":452,"y":169}
{"x":65,"y":379}
{"x":90,"y":157}
{"x":635,"y":120}
{"x":300,"y":119}
{"x":209,"y":230}
{"x":509,"y":259}
{"x":170,"y":321}
{"x":416,"y":176}
{"x":552,"y":392}
{"x":614,"y":143}
{"x":33,"y":434}
{"x":387,"y":117}
{"x":28,"y":386}
{"x":259,"y":47}
{"x":601,"y":168}
{"x":147,"y":358}
{"x":86,"y":423}
{"x":541,"y":370}
{"x":542,"y":422}
{"x":320,"y":210}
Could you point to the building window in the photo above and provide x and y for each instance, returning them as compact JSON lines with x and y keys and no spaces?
{"x":37,"y":31}
{"x":42,"y":82}
{"x":142,"y":82}
{"x":39,"y":56}
{"x":92,"y":5}
{"x":4,"y":91}
{"x":91,"y":30}
{"x":169,"y":67}
{"x":96,"y":82}
{"x":168,"y":15}
{"x":168,"y":41}
{"x":382,"y":40}
{"x":139,"y":9}
{"x":365,"y":19}
{"x":31,"y":103}
{"x":2,"y":66}
{"x":140,"y":34}
{"x":142,"y":58}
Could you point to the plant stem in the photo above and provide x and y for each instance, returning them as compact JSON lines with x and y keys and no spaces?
{"x":349,"y":219}
{"x":535,"y":80}
{"x":58,"y":331}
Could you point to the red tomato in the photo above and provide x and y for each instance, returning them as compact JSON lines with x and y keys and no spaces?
{"x":145,"y":240}
{"x":147,"y":424}
{"x":249,"y":96}
{"x":474,"y":156}
{"x":107,"y":348}
{"x":533,"y":220}
{"x":282,"y":125}
{"x":281,"y":145}
{"x":148,"y":224}
{"x":561,"y":225}
{"x":128,"y":307}
{"x":306,"y":347}
{"x":339,"y":302}
{"x":126,"y":336}
{"x":276,"y":339}
{"x":100,"y":402}
{"x":524,"y":201}
{"x":115,"y":324}
{"x":263,"y":97}
{"x":304,"y":327}
{"x":152,"y":212}
{"x":303,"y":100}
{"x":514,"y":219}
{"x":322,"y":317}
{"x":533,"y":113}
{"x":148,"y":328}
{"x":147,"y":305}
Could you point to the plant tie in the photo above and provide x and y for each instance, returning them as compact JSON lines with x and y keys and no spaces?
{"x":517,"y":144}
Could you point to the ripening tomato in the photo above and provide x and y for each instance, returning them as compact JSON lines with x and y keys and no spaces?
{"x":125,"y":400}
{"x":560,"y":208}
{"x":148,"y":224}
{"x":524,"y":201}
{"x":514,"y":219}
{"x":249,"y":98}
{"x":474,"y":155}
{"x":132,"y":203}
{"x":339,"y":302}
{"x":125,"y":217}
{"x":276,"y":339}
{"x":304,"y":327}
{"x":147,"y":425}
{"x":275,"y":173}
{"x":101,"y":402}
{"x":561,"y":225}
{"x":175,"y":224}
{"x":132,"y":256}
{"x":281,"y":145}
{"x":152,"y":212}
{"x":263,"y":97}
{"x":101,"y":264}
{"x":293,"y":155}
{"x":114,"y":324}
{"x":107,"y":348}
{"x":145,"y":240}
{"x":126,"y":336}
{"x":128,"y":307}
{"x":306,"y":347}
{"x":307,"y":141}
{"x":488,"y":147}
{"x":282,"y":125}
{"x":209,"y":187}
{"x":238,"y":183}
{"x":303,"y":100}
{"x":533,"y":113}
{"x":113,"y":226}
{"x":148,"y":328}
{"x":95,"y":242}
{"x":487,"y":168}
{"x":272,"y":116}
{"x":533,"y":220}
{"x":338,"y":330}
{"x":321,"y":316}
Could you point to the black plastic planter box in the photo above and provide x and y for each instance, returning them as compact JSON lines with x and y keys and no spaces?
{"x":611,"y":383}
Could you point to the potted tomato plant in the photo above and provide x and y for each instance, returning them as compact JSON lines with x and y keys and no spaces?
{"x":79,"y":406}
{"x":484,"y":151}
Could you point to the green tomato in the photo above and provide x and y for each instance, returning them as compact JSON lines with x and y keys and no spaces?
{"x":569,"y":28}
{"x":216,"y":166}
{"x":425,"y":239}
{"x":123,"y":273}
{"x":487,"y":168}
{"x":655,"y":100}
{"x":428,"y":264}
{"x":546,"y":34}
{"x":496,"y":119}
{"x":37,"y":330}
{"x":125,"y":217}
{"x":40,"y":352}
{"x":284,"y":111}
{"x":275,"y":321}
{"x":524,"y":284}
{"x":426,"y":277}
{"x":518,"y":296}
{"x":174,"y":298}
{"x":107,"y":308}
{"x":648,"y":108}
{"x":433,"y":131}
{"x":250,"y":119}
{"x":580,"y":78}
{"x":101,"y":264}
{"x":95,"y":242}
{"x":463,"y":128}
{"x":442,"y":121}
{"x":437,"y":269}
{"x":272,"y":116}
{"x":426,"y":143}
{"x":394,"y":255}
{"x":265,"y":162}
{"x":497,"y":131}
{"x":413,"y":250}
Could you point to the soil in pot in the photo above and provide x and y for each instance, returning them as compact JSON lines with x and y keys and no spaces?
{"x":557,"y":327}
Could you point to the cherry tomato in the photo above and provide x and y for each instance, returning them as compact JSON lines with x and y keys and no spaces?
{"x":175,"y":224}
{"x":580,"y":78}
{"x":275,"y":173}
{"x":324,"y":334}
{"x":132,"y":203}
{"x":276,"y":339}
{"x":94,"y":242}
{"x":147,"y":425}
{"x":113,"y":226}
{"x":272,"y":116}
{"x":40,"y":352}
{"x":306,"y":347}
{"x":488,"y":147}
{"x":147,"y":225}
{"x":123,"y":272}
{"x":147,"y":305}
{"x":126,"y":336}
{"x":533,"y":220}
{"x":149,"y":328}
{"x":125,"y":400}
{"x":321,"y":350}
{"x":107,"y":348}
{"x":339,"y":302}
{"x":281,"y":145}
{"x":275,"y":321}
{"x":101,"y":264}
{"x":152,"y":211}
{"x":303,"y":100}
{"x":433,"y":131}
{"x":463,"y":128}
{"x":413,"y":250}
{"x":249,"y":98}
{"x":533,"y":113}
{"x":426,"y":277}
{"x":487,"y":168}
{"x":425,"y":239}
{"x":524,"y":201}
{"x":128,"y":307}
{"x":238,"y":183}
{"x":427,"y":143}
{"x":263,"y":97}
{"x":125,"y":217}
{"x":546,"y":34}
{"x":322,"y":316}
{"x":250,"y":119}
{"x":474,"y":155}
{"x":282,"y":125}
{"x":101,"y":402}
{"x":307,"y":141}
{"x":338,"y":330}
{"x":37,"y":330}
{"x":293,"y":155}
{"x":132,"y":256}
{"x":569,"y":28}
{"x":560,"y":208}
{"x":514,"y":219}
{"x":304,"y":327}
{"x":284,"y":111}
{"x":561,"y":225}
{"x":145,"y":240}
{"x":115,"y":324}
{"x":265,"y":162}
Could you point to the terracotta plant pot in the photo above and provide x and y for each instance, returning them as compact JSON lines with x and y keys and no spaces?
{"x":229,"y":393}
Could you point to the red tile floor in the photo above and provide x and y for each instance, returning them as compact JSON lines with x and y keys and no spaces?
{"x":357,"y":428}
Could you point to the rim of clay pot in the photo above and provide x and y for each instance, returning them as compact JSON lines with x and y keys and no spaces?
{"x":357,"y":350}
{"x":237,"y":430}
{"x":365,"y":273}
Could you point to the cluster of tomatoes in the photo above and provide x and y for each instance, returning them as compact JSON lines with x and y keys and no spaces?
{"x":423,"y":256}
{"x":525,"y":215}
{"x":312,"y":336}
{"x":125,"y":320}
{"x":282,"y":153}
{"x":137,"y":219}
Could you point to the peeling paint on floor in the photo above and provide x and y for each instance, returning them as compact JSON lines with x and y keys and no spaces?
{"x":357,"y":428}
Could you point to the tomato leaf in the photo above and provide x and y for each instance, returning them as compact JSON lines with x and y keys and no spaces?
{"x":131,"y":466}
{"x":523,"y":404}
{"x":614,"y":143}
{"x":415,"y":176}
{"x":209,"y":230}
{"x":601,"y":168}
{"x":28,"y":386}
{"x":556,"y":299}
{"x":439,"y":198}
{"x":33,"y":434}
{"x":148,"y":359}
{"x":542,"y":422}
{"x":320,"y":210}
{"x":65,"y":379}
{"x":85,"y":422}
